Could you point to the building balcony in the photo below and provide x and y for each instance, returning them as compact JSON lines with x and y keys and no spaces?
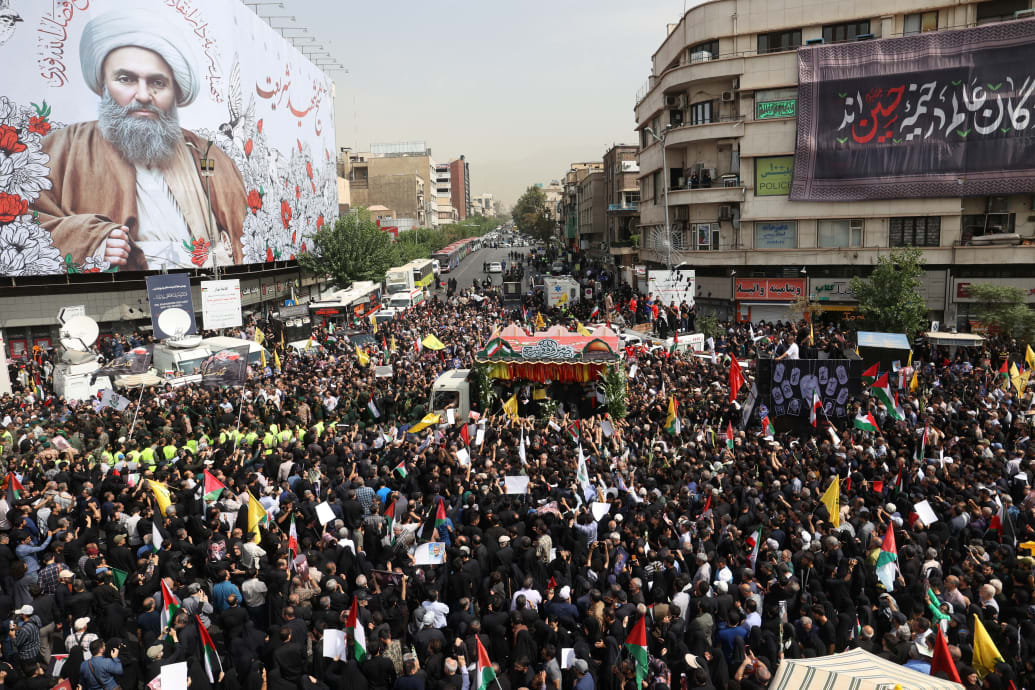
{"x":726,"y":128}
{"x":682,"y":77}
{"x":706,"y":195}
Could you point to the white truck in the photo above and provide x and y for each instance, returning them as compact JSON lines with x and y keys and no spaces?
{"x":561,"y":290}
{"x":399,"y":279}
{"x":451,"y":390}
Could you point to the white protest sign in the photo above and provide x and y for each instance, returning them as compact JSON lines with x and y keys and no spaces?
{"x":926,"y":513}
{"x":599,"y":509}
{"x":174,"y":675}
{"x":325,"y":513}
{"x":607,"y":428}
{"x":567,"y":657}
{"x":515,"y":484}
{"x":451,"y":416}
{"x":480,"y":436}
{"x":431,"y":553}
{"x":334,"y":644}
{"x":463,"y":457}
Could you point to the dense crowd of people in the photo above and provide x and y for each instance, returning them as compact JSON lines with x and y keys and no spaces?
{"x":723,"y":550}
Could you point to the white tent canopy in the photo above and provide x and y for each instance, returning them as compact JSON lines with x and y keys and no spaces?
{"x":855,"y":669}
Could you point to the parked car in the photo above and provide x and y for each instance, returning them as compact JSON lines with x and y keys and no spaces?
{"x":495,"y":267}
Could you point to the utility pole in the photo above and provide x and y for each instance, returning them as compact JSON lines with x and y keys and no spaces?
{"x":664,"y":174}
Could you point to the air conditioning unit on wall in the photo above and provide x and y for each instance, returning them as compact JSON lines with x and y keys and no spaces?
{"x":725,"y":212}
{"x":727,"y":96}
{"x":671,"y":101}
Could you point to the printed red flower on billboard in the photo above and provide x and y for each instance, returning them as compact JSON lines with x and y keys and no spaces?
{"x":298,"y":192}
{"x":199,"y":249}
{"x":254,"y":201}
{"x":319,"y":223}
{"x":11,"y":206}
{"x":9,"y":142}
{"x":248,"y":146}
{"x":39,"y":125}
{"x":285,"y":214}
{"x":309,"y":169}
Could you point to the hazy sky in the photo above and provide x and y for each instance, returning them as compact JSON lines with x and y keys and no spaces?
{"x":522,"y":88}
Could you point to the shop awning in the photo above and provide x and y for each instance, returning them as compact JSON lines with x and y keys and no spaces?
{"x":856,"y":669}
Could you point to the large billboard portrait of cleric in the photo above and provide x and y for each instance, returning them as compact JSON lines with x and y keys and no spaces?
{"x":158,"y":134}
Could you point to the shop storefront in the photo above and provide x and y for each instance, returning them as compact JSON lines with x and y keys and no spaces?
{"x":766,"y":299}
{"x":834,"y":298}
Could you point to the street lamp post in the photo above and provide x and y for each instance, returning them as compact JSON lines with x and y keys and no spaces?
{"x":664,"y":173}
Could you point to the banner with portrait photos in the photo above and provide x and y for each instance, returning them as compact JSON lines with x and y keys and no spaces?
{"x":793,"y":381}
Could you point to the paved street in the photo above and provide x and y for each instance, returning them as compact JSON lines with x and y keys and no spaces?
{"x":471,"y":267}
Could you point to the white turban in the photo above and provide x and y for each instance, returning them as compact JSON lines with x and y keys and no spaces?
{"x":141,"y":29}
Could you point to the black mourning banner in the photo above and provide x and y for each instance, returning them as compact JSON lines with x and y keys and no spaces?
{"x":792,"y":383}
{"x":227,"y":367}
{"x":939,"y":114}
{"x":136,"y":361}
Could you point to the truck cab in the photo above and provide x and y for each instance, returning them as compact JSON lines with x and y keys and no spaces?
{"x":452,"y":390}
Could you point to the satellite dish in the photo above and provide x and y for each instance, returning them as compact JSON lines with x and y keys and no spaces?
{"x":175,"y":322}
{"x":79,"y":333}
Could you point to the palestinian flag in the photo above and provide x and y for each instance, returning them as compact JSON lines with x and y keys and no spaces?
{"x":753,"y":543}
{"x":1001,"y":523}
{"x":434,"y":521}
{"x":768,"y":430}
{"x":170,"y":606}
{"x":389,"y":516}
{"x":1005,"y":369}
{"x":729,"y":435}
{"x":817,"y":406}
{"x":887,"y":561}
{"x":900,"y":486}
{"x":636,"y":644}
{"x":672,"y":424}
{"x":881,"y":390}
{"x":293,"y":539}
{"x":485,"y":674}
{"x":213,"y":487}
{"x":401,"y":469}
{"x":923,"y":447}
{"x":15,"y":490}
{"x":213,"y":667}
{"x":867,"y":423}
{"x":118,"y":577}
{"x":359,"y":637}
{"x":373,"y":407}
{"x":871,"y":374}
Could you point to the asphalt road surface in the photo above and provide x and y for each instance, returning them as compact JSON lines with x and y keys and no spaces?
{"x":471,"y":267}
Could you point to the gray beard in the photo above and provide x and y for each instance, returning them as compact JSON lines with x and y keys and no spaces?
{"x":141,"y":141}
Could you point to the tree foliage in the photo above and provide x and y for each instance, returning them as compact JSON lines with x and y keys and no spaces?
{"x":531,"y":216}
{"x":1002,"y":308}
{"x":890,"y":299}
{"x":352,"y":249}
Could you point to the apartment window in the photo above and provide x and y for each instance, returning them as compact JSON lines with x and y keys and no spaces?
{"x":999,"y":10}
{"x":915,"y":231}
{"x":706,"y":236}
{"x":709,"y":50}
{"x":838,"y":33}
{"x":701,"y":113}
{"x":920,"y":22}
{"x":844,"y":232}
{"x":779,"y":41}
{"x":655,"y":184}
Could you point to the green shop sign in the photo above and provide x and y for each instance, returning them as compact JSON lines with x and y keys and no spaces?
{"x":768,"y":110}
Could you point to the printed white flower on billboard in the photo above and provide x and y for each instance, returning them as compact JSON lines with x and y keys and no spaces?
{"x":26,"y":249}
{"x":24,"y":173}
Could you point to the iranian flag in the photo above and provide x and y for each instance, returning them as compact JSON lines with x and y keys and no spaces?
{"x":293,"y":539}
{"x":753,"y":541}
{"x":170,"y":606}
{"x":817,"y":405}
{"x":636,"y":643}
{"x":359,"y":637}
{"x":881,"y":390}
{"x":575,"y":431}
{"x":595,"y":314}
{"x":768,"y":430}
{"x":485,"y":674}
{"x":866,"y":423}
{"x":887,"y":560}
{"x":213,"y":487}
{"x":870,"y":375}
{"x":729,"y":435}
{"x":213,"y":667}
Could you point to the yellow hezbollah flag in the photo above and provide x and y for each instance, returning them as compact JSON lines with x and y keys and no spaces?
{"x":582,"y":329}
{"x":1029,"y":357}
{"x":539,"y":394}
{"x":539,"y":323}
{"x":260,"y":337}
{"x":831,"y":498}
{"x":429,"y":420}
{"x":511,"y":407}
{"x":563,"y":298}
{"x":256,"y":516}
{"x":392,"y":348}
{"x":363,"y":357}
{"x":1020,"y":381}
{"x":913,"y":383}
{"x":276,"y":360}
{"x":986,"y":655}
{"x":373,"y":320}
{"x":161,"y":493}
{"x":432,"y":343}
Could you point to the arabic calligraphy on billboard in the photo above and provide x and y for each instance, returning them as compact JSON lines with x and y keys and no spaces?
{"x":119,"y":111}
{"x":773,"y":175}
{"x":768,"y":289}
{"x":939,"y":114}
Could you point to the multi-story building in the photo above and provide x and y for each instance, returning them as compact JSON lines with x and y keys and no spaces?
{"x":622,"y":195}
{"x":554,"y":192}
{"x":398,"y":176}
{"x":444,"y":202}
{"x":568,"y":206}
{"x":759,"y":198}
{"x":482,"y":205}
{"x":592,"y":211}
{"x":460,"y":187}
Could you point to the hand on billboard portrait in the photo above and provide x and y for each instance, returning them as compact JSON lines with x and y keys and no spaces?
{"x":116,"y":247}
